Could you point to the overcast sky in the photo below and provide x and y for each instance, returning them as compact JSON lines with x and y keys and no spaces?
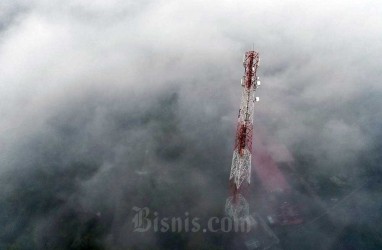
{"x":122,"y":87}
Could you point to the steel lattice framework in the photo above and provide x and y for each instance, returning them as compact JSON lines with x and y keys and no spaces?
{"x":240,"y":175}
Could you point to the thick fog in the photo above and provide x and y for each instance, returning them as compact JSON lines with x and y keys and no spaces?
{"x":110,"y":105}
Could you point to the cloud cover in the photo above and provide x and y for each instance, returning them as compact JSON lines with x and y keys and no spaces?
{"x":92,"y":93}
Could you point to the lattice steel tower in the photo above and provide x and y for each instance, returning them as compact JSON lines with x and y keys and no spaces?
{"x":240,"y":176}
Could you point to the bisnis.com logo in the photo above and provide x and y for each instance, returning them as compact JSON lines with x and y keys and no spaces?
{"x":144,"y":221}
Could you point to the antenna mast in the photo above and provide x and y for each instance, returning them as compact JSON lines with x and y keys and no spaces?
{"x":240,"y":175}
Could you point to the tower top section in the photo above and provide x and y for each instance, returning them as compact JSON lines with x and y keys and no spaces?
{"x":251,"y":62}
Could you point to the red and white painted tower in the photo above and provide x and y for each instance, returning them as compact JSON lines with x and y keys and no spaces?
{"x":240,"y":176}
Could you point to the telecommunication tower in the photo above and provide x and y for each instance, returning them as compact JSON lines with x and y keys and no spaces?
{"x":240,"y":176}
